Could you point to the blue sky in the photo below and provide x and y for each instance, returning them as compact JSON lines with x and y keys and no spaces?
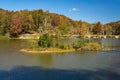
{"x":85,"y":10}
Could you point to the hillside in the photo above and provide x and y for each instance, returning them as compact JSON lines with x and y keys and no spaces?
{"x":15,"y":23}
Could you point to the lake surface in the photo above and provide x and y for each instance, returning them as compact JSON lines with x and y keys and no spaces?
{"x":101,"y":65}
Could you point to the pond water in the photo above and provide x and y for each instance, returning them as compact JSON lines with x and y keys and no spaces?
{"x":85,"y":65}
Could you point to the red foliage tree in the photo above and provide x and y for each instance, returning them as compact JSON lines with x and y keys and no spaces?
{"x":16,"y":25}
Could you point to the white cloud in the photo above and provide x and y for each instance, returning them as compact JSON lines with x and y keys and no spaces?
{"x":73,"y":9}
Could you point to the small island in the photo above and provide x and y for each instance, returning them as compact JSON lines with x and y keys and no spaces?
{"x":51,"y":44}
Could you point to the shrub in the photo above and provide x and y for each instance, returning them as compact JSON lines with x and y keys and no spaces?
{"x":65,"y":46}
{"x":80,"y":43}
{"x":92,"y":46}
{"x":45,"y":41}
{"x":32,"y":43}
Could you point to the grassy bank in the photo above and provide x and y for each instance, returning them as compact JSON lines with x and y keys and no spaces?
{"x":4,"y":37}
{"x":48,"y":50}
{"x":58,"y":50}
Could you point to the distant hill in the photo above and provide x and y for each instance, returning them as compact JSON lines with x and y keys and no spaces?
{"x":20,"y":22}
{"x":115,"y":27}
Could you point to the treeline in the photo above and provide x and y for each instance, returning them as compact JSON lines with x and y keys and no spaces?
{"x":15,"y":23}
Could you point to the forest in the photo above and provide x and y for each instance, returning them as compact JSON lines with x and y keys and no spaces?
{"x":15,"y":23}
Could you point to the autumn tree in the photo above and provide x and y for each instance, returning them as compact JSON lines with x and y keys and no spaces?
{"x":90,"y":28}
{"x":38,"y":18}
{"x":98,"y":28}
{"x":43,"y":27}
{"x":28,"y":24}
{"x":63,"y":29}
{"x":64,"y":25}
{"x":83,"y":30}
{"x":4,"y":22}
{"x":76,"y":27}
{"x":55,"y":23}
{"x":107,"y":30}
{"x":16,"y":25}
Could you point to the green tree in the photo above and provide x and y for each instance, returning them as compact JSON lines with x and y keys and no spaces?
{"x":45,"y":41}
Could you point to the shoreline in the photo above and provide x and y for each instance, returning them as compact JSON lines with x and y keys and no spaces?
{"x":52,"y":52}
{"x":33,"y":36}
{"x":55,"y":52}
{"x":46,"y":51}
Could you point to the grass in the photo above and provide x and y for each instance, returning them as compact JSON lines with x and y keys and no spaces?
{"x":4,"y":37}
{"x":47,"y":50}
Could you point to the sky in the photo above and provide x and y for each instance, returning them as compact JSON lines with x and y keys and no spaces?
{"x":91,"y":11}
